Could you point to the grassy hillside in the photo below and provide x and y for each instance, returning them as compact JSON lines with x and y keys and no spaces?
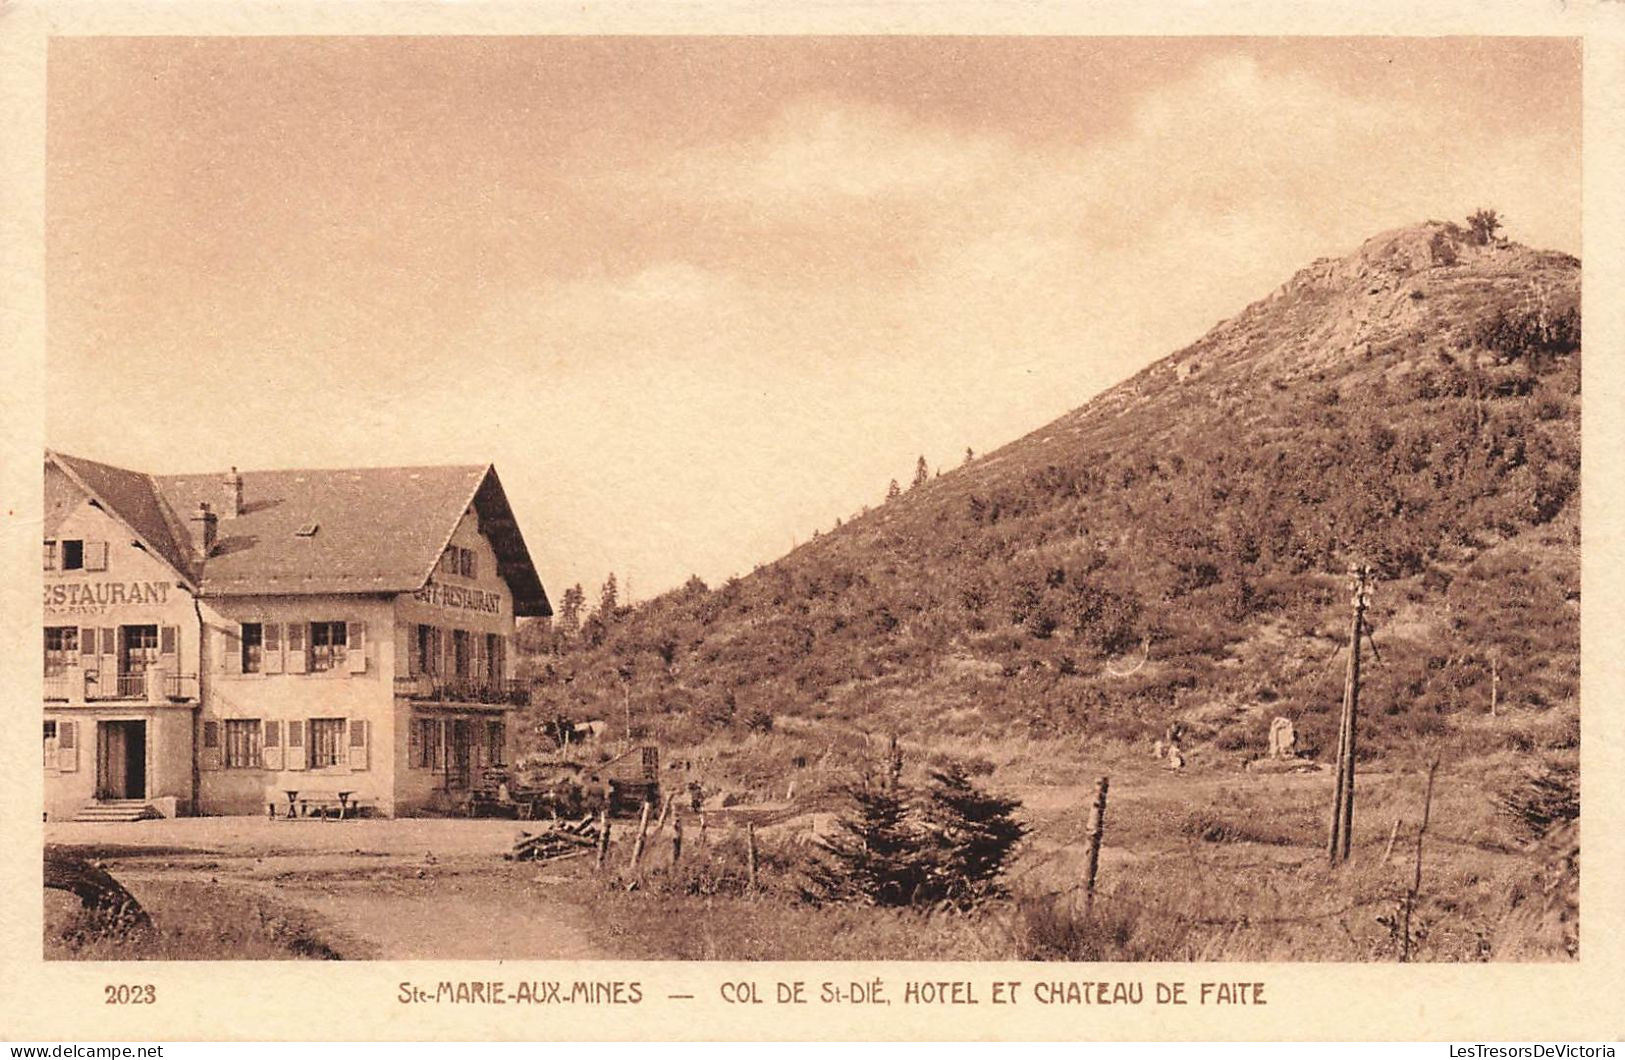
{"x":1176,"y":547}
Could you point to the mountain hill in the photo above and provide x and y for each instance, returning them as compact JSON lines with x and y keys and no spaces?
{"x":1177,"y":547}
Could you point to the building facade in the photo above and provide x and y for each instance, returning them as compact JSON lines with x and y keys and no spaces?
{"x":213,"y":642}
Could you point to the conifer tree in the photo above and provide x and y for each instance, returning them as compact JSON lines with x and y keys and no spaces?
{"x":608,"y":597}
{"x":570,"y":606}
{"x":972,"y":835}
{"x":922,"y":474}
{"x":877,"y":857}
{"x":893,"y":491}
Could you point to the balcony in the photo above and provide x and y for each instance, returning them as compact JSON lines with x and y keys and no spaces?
{"x":144,"y":686}
{"x":435,"y":689}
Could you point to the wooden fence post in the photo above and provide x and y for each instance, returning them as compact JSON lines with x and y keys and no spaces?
{"x":603,"y":838}
{"x":676,"y":838}
{"x":1416,"y":880}
{"x":643,"y":835}
{"x":1097,"y":828}
{"x":704,"y":841}
{"x":1393,"y":833}
{"x":750,"y":852}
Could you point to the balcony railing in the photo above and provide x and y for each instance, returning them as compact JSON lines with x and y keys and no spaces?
{"x":432,"y":688}
{"x":142,"y":686}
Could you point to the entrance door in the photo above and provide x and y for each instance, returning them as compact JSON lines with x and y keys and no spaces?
{"x":121,"y":760}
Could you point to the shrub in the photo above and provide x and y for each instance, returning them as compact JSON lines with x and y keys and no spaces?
{"x":1117,"y":928}
{"x":1544,"y":798}
{"x":1211,"y":828}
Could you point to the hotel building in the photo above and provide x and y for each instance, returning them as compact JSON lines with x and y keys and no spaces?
{"x":214,"y":640}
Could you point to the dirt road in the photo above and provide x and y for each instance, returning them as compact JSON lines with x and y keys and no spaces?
{"x":386,"y":890}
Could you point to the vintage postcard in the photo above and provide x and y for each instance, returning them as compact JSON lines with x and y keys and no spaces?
{"x":682,"y":522}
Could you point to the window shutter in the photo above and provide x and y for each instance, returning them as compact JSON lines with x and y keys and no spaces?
{"x":297,"y":660}
{"x":209,"y":758}
{"x":356,"y":653}
{"x":67,"y":746}
{"x":477,"y":651}
{"x":95,"y":555}
{"x":409,"y":634}
{"x":414,"y":743}
{"x":359,"y":739}
{"x":295,"y":751}
{"x":231,"y":650}
{"x":271,"y":747}
{"x":50,"y":555}
{"x":271,"y":648}
{"x":87,"y":646}
{"x":107,"y":663}
{"x":169,"y":638}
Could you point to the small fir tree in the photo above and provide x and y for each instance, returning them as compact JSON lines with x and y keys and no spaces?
{"x":608,"y":597}
{"x":893,"y":491}
{"x":922,"y":474}
{"x":972,"y":836}
{"x":877,"y":857}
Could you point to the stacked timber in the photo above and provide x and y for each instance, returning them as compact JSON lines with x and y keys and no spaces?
{"x":561,"y":839}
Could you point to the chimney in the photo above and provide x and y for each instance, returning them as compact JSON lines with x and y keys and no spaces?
{"x":203,"y":525}
{"x":233,"y":483}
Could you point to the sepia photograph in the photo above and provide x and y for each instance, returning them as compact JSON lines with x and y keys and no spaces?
{"x":898,"y":498}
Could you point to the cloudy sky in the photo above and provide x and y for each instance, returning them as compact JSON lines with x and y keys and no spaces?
{"x":696,"y":297}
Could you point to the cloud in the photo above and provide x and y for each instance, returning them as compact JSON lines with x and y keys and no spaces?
{"x":819,"y":151}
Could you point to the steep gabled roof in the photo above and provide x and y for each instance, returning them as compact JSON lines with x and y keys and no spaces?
{"x":377,"y":530}
{"x":131,"y":498}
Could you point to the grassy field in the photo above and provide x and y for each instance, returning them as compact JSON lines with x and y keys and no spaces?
{"x":1209,"y":864}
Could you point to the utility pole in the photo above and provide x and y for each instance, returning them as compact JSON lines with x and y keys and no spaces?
{"x":1342,"y":827}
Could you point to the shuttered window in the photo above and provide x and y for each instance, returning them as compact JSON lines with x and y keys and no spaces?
{"x":244,"y":739}
{"x":424,"y":744}
{"x":95,"y":555}
{"x":326,"y":742}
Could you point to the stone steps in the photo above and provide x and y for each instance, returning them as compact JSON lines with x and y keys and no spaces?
{"x":117,"y":810}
